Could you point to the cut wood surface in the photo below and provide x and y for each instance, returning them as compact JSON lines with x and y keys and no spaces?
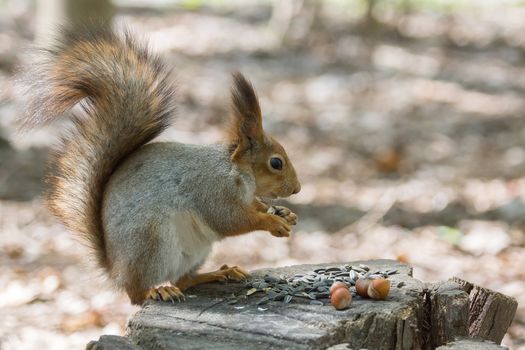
{"x":415,"y":316}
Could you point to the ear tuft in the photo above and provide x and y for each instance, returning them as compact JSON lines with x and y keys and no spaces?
{"x":247,"y":120}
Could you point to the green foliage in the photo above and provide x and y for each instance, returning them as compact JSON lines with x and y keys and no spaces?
{"x":450,"y":234}
{"x":192,"y":4}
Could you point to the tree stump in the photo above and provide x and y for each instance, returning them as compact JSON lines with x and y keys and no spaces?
{"x":415,"y":316}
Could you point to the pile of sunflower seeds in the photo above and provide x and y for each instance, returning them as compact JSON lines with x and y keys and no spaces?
{"x":311,"y":286}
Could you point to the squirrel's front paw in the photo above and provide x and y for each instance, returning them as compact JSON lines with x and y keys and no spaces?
{"x":278,"y":226}
{"x":285,"y":213}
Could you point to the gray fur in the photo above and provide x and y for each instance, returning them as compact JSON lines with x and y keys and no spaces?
{"x":157,"y":191}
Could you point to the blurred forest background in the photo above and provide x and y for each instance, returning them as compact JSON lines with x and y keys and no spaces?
{"x":404,"y":118}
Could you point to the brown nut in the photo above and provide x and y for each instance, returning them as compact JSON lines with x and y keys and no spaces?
{"x":337,"y":285}
{"x":341,"y":298}
{"x":361,"y":287}
{"x":379,"y":288}
{"x":373,"y":288}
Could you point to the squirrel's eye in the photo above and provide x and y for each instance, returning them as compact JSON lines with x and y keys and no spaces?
{"x":276,"y":163}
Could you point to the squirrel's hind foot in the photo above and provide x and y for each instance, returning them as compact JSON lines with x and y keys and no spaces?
{"x":234,"y":273}
{"x":225,"y":273}
{"x":165,"y":293}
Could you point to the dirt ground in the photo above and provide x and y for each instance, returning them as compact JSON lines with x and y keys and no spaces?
{"x":407,"y":131}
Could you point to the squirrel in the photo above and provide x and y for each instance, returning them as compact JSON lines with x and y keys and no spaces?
{"x":150,"y":211}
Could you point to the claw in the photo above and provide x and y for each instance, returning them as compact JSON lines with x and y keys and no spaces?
{"x":165,"y":293}
{"x":234,"y":273}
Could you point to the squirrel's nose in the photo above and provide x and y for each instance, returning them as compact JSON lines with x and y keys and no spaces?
{"x":297,"y":189}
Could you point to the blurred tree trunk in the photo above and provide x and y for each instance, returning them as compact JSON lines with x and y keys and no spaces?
{"x":371,"y":28}
{"x":370,"y":21}
{"x":80,"y":11}
{"x":294,"y":20}
{"x":50,"y":14}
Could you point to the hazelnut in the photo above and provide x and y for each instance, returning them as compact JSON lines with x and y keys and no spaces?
{"x":373,"y":288}
{"x":361,"y":287}
{"x":337,"y":285}
{"x":379,"y":288}
{"x":341,"y":298}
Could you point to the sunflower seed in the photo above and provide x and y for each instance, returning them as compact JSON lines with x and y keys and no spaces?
{"x":353,"y":275}
{"x":280,"y":296}
{"x":316,"y":302}
{"x":270,"y":279}
{"x":288,"y":289}
{"x":358,"y":269}
{"x":272,"y":294}
{"x":260,"y":285}
{"x":312,"y":285}
{"x":263,"y":301}
{"x":364,"y":267}
{"x":278,"y":211}
{"x":333,"y":269}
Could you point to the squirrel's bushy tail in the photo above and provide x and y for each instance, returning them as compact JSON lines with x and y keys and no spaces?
{"x":126,"y":100}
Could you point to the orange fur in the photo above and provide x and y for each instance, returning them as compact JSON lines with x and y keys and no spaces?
{"x":252,"y":148}
{"x":127,"y":101}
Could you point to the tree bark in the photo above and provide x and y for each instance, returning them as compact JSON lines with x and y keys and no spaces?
{"x":490,"y":312}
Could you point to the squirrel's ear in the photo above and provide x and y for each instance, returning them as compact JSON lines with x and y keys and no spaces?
{"x":246,"y":124}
